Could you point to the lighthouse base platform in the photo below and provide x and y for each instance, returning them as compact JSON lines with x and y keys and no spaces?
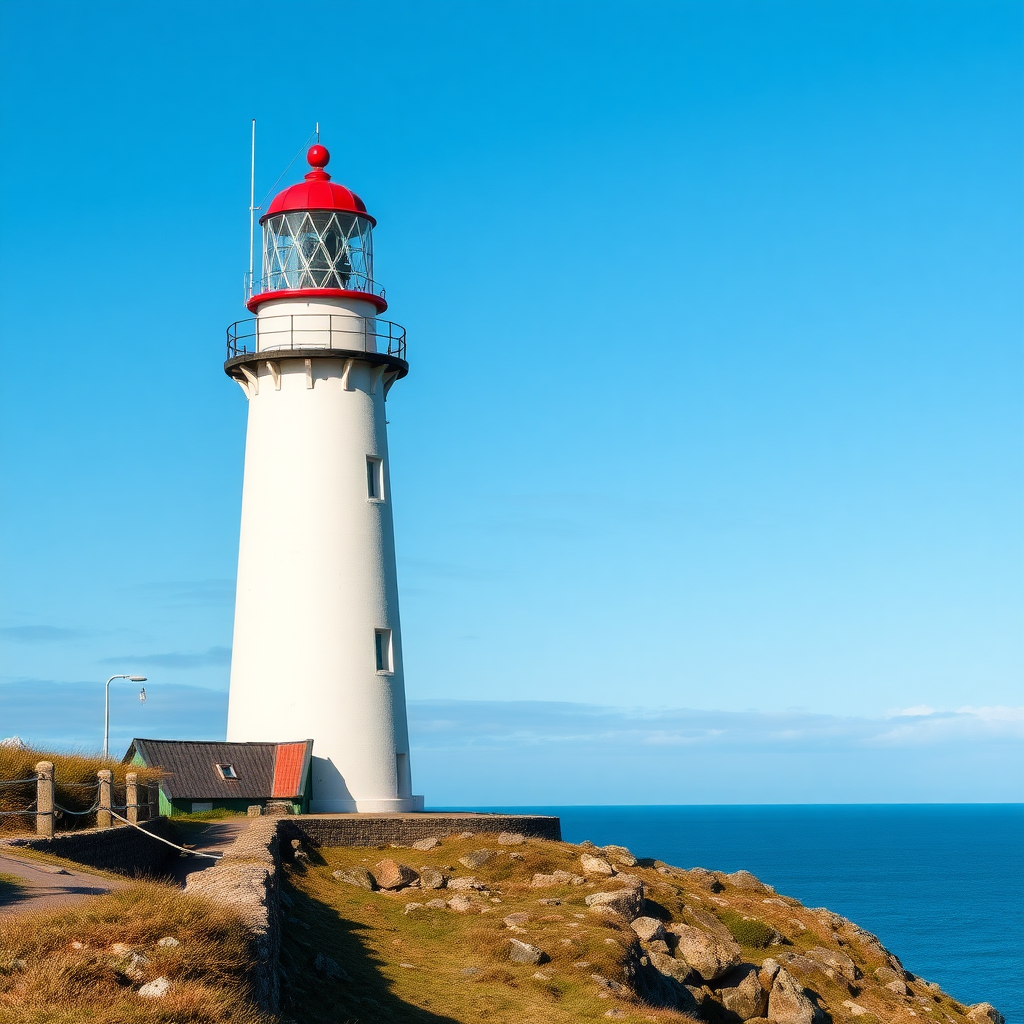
{"x":384,"y":829}
{"x":404,"y":805}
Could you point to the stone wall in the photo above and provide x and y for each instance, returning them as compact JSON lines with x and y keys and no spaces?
{"x":384,"y":829}
{"x":248,"y":879}
{"x":122,"y":849}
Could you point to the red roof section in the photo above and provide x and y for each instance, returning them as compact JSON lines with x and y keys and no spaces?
{"x":317,"y":192}
{"x":288,"y":766}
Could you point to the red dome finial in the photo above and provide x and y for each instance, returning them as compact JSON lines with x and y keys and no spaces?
{"x":318,"y":156}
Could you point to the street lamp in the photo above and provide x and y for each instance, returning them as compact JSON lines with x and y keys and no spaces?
{"x":106,"y":708}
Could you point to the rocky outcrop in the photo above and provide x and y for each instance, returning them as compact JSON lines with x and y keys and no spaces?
{"x":788,"y":1003}
{"x":985,"y":1013}
{"x":356,"y":876}
{"x":741,"y":993}
{"x":595,"y":865}
{"x":709,"y":955}
{"x":389,"y":874}
{"x":627,"y":903}
{"x":523,"y":953}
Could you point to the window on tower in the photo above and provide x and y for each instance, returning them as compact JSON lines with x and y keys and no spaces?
{"x":374,"y":478}
{"x":382,"y":649}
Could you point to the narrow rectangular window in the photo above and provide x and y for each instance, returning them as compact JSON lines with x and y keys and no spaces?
{"x":382,"y":649}
{"x":374,"y":477}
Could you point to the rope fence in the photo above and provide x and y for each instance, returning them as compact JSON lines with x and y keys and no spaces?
{"x":184,"y":849}
{"x":140,"y":800}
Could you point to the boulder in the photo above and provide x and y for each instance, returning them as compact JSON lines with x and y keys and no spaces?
{"x":837,"y":960}
{"x":855,"y":1009}
{"x":897,"y":986}
{"x":595,"y":865}
{"x":797,"y":963}
{"x":745,"y":880}
{"x":705,"y":879}
{"x":461,"y":904}
{"x":886,"y":974}
{"x":769,"y":968}
{"x":431,"y":878}
{"x":411,"y":907}
{"x":788,"y":1003}
{"x":678,"y":970}
{"x":709,"y":955}
{"x":168,"y":942}
{"x":476,"y":859}
{"x":648,"y":929}
{"x":627,"y":902}
{"x":327,"y":967}
{"x":516,"y":920}
{"x":134,"y":966}
{"x":620,"y":855}
{"x":356,"y":876}
{"x":511,"y":839}
{"x":430,"y":843}
{"x":462,"y":884}
{"x":436,"y":904}
{"x":740,"y":992}
{"x":523,"y":953}
{"x":985,"y":1013}
{"x":389,"y":874}
{"x":156,"y":989}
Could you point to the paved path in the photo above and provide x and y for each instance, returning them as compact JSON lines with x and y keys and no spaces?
{"x":211,"y":837}
{"x":46,"y":886}
{"x":43,"y":888}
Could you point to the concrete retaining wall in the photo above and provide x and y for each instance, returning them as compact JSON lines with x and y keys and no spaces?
{"x":123,"y":849}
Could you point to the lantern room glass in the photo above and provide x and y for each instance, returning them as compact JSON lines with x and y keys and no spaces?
{"x":318,"y":249}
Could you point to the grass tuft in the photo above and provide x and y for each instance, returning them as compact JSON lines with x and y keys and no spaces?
{"x":749,"y":932}
{"x":62,"y":984}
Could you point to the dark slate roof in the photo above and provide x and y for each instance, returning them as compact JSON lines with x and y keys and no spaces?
{"x":190,"y":768}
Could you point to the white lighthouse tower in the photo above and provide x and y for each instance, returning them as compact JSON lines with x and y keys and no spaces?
{"x":317,"y":644}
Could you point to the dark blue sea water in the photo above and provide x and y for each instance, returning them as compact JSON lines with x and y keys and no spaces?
{"x":942,"y":885}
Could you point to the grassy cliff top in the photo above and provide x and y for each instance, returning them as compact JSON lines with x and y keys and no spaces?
{"x":429,"y":955}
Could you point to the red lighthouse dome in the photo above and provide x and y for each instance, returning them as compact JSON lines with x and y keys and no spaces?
{"x":317,"y":242}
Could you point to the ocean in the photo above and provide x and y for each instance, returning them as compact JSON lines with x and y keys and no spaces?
{"x":942,"y":885}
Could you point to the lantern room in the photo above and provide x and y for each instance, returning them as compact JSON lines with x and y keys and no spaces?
{"x":317,"y":242}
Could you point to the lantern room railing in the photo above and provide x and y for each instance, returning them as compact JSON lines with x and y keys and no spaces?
{"x":289,"y":280}
{"x":315,"y":330}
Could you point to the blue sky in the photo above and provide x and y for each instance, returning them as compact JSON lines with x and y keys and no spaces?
{"x":715,"y":320}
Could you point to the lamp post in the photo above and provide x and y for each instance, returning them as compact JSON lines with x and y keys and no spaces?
{"x":106,"y":708}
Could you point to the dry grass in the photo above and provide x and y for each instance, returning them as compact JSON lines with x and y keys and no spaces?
{"x":434,"y":966}
{"x":73,"y":774}
{"x":45,"y":978}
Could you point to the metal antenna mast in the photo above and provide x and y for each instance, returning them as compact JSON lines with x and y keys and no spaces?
{"x":252,"y":200}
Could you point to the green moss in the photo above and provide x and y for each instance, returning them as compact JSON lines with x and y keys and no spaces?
{"x":748,"y":932}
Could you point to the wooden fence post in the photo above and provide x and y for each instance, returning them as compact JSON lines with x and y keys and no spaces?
{"x":131,"y":797}
{"x":103,"y":819}
{"x":44,"y":799}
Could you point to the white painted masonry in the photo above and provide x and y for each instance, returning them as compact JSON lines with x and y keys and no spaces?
{"x":316,"y":565}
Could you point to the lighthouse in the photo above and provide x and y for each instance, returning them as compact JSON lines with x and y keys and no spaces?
{"x":317,"y":650}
